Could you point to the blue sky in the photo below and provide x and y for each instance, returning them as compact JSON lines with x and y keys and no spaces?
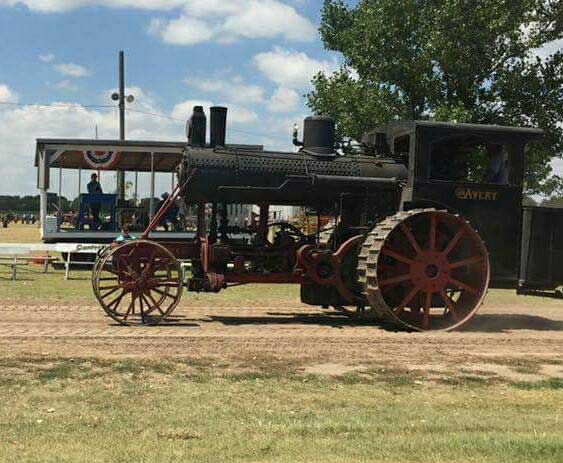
{"x":256,"y":56}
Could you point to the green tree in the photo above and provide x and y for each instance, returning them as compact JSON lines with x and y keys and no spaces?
{"x":452,"y":60}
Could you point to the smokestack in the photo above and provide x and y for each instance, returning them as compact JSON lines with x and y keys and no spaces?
{"x":197,"y":127}
{"x":218,"y":127}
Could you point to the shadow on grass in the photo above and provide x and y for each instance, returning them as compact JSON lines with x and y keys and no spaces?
{"x":501,"y":323}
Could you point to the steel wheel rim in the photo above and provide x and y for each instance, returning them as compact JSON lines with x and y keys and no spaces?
{"x":432,"y":271}
{"x":96,"y":268}
{"x":140,"y":282}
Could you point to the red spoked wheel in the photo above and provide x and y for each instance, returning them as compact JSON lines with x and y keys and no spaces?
{"x":97,"y":266}
{"x":139,"y":282}
{"x":424,"y":270}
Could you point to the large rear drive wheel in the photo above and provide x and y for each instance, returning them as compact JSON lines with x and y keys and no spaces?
{"x":139,"y":282}
{"x":423,"y":270}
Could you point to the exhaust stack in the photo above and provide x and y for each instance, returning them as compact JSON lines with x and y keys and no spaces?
{"x":218,"y":128}
{"x":197,"y":126}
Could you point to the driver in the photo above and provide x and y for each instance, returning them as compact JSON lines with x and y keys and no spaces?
{"x":497,"y":170}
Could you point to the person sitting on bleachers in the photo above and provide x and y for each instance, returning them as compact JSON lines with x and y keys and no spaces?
{"x":171,"y":215}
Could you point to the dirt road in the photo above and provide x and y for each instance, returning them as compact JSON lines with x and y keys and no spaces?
{"x":517,"y":343}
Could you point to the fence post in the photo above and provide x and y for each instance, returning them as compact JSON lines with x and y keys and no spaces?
{"x":67,"y":269}
{"x":14,"y":268}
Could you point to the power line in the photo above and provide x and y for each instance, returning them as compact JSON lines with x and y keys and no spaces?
{"x":53,"y":105}
{"x":164,"y":116}
{"x":147,"y":113}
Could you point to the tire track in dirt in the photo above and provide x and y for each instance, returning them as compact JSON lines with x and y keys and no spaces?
{"x":293,"y":335}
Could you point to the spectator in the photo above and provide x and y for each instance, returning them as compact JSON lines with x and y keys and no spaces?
{"x":170,"y":216}
{"x":94,"y":188}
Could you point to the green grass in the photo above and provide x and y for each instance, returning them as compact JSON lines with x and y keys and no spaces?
{"x":34,"y":286}
{"x":104,"y":411}
{"x":20,"y":234}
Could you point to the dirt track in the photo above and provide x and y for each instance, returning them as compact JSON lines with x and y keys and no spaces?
{"x":292,"y":336}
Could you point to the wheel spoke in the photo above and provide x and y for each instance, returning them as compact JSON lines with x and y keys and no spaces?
{"x":450,"y":305}
{"x":163,"y":284}
{"x":133,"y":249}
{"x":163,"y":293}
{"x":115,"y":303}
{"x":461,"y":285}
{"x":411,"y":238}
{"x":397,"y":256}
{"x":130,"y":308}
{"x":406,"y":300}
{"x":141,"y":307}
{"x":156,"y":304}
{"x":113,"y":291}
{"x":104,"y":288}
{"x":118,"y":273}
{"x":150,"y":309}
{"x":395,"y":280}
{"x":432,"y":235}
{"x":453,"y":242}
{"x":468,"y":261}
{"x":427,"y":303}
{"x":150,"y":263}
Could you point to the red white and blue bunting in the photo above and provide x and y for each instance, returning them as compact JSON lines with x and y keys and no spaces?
{"x":101,"y":159}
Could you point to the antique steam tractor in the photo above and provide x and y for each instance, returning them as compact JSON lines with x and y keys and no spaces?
{"x":428,"y":216}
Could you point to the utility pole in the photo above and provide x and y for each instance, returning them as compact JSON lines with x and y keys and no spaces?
{"x":121,"y":95}
{"x":122,"y":99}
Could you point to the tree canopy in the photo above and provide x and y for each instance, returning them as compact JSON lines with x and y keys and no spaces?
{"x":452,"y":60}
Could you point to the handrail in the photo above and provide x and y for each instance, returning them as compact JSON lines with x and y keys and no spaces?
{"x":166,"y":206}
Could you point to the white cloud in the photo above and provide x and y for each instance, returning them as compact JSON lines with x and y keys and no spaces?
{"x":21,"y":126}
{"x":7,"y":95}
{"x":284,"y":100}
{"x":66,"y":85}
{"x":47,"y":57}
{"x":236,"y":115}
{"x":269,"y":18}
{"x":203,"y":20}
{"x":184,"y":109}
{"x":228,"y":20}
{"x":72,"y":70}
{"x":234,"y":89}
{"x":240,"y":115}
{"x":56,"y":6}
{"x":291,"y":69}
{"x":182,"y":31}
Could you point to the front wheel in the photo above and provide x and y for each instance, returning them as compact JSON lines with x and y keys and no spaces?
{"x":139,"y":282}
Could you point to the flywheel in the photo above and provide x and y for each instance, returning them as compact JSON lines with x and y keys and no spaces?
{"x":423,"y":270}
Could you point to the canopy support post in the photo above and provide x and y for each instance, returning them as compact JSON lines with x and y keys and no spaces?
{"x":152,"y":187}
{"x":136,"y":196}
{"x":79,"y":181}
{"x":59,"y":222}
